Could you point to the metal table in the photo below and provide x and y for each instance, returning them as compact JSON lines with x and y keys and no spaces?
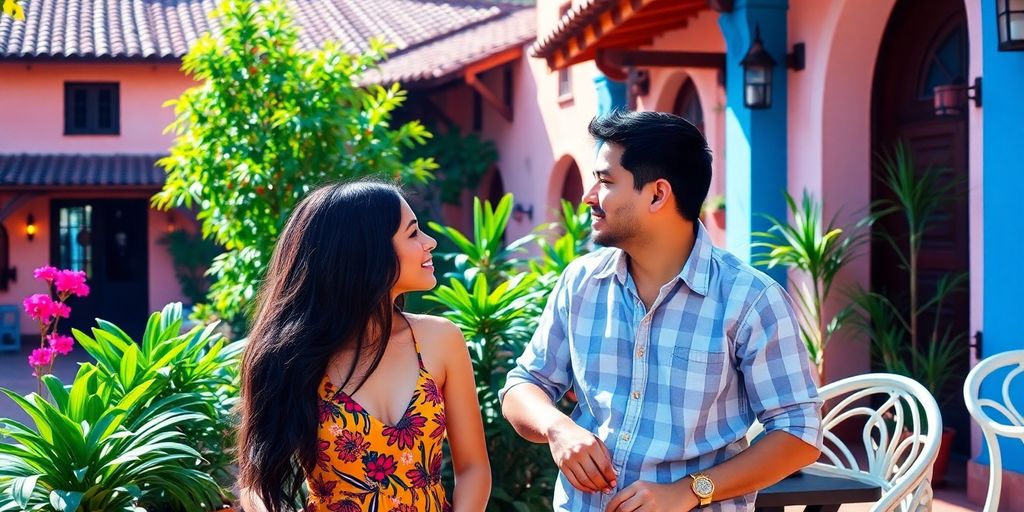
{"x":816,"y":491}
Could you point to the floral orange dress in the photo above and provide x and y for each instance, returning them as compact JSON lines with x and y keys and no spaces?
{"x":366,"y":465}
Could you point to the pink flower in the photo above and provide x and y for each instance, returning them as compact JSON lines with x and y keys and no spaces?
{"x":46,"y":273}
{"x":41,"y":357}
{"x":61,"y":344}
{"x":60,"y":309}
{"x":72,"y":281}
{"x":39,"y":306}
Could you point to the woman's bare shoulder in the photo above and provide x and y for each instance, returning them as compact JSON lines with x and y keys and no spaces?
{"x":435,"y":330}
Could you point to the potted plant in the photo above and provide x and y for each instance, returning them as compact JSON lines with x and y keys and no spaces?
{"x":817,"y":252}
{"x":902,"y":342}
{"x":714,"y":207}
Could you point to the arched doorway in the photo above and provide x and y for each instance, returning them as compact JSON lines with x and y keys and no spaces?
{"x":687,"y":105}
{"x":572,"y":184}
{"x":925,"y":44}
{"x":5,"y":259}
{"x":495,"y":188}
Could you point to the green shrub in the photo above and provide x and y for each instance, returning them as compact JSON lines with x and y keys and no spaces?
{"x":496,"y":298}
{"x":148,"y":423}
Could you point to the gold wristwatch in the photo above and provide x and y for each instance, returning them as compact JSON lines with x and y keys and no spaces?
{"x":703,"y":487}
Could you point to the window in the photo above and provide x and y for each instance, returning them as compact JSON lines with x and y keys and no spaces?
{"x":92,"y":108}
{"x":564,"y":79}
{"x":75,"y":238}
{"x":946,"y":62}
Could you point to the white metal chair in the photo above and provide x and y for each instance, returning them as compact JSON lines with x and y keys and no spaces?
{"x":1011,"y":423}
{"x":900,"y":437}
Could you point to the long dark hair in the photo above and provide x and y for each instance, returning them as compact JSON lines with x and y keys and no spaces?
{"x":328,"y":287}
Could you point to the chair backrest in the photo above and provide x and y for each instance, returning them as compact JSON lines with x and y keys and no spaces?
{"x":10,"y":327}
{"x":900,"y":427}
{"x":1008,"y":422}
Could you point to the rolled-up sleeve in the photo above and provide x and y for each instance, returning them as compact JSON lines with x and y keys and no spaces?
{"x":776,"y":371}
{"x":546,"y":362}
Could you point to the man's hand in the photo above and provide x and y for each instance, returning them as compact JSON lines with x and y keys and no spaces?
{"x":651,"y":497}
{"x":582,"y":457}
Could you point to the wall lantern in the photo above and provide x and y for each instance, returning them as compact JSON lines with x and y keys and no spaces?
{"x":30,"y":227}
{"x":1010,"y":21}
{"x":172,"y":222}
{"x":757,"y":71}
{"x":757,"y":74}
{"x":951,"y":99}
{"x":519,"y":212}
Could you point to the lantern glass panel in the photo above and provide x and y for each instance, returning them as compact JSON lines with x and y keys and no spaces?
{"x":757,"y":95}
{"x":756,"y":75}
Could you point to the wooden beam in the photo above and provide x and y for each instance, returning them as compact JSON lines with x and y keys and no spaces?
{"x":654,"y":59}
{"x":610,"y":70}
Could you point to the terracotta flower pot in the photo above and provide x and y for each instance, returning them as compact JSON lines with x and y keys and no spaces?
{"x":942,"y":459}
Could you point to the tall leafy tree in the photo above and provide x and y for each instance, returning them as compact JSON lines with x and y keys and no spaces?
{"x":268,"y":122}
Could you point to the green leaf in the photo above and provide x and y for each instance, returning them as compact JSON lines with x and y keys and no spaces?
{"x":65,"y":501}
{"x":22,"y":488}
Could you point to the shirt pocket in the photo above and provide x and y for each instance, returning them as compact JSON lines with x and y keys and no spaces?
{"x":695,"y":378}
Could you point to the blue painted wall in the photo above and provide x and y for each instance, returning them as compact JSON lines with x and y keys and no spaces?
{"x":1003,"y":133}
{"x":755,"y":140}
{"x":611,"y":95}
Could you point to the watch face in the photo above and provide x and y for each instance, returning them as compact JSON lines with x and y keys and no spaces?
{"x":703,"y":486}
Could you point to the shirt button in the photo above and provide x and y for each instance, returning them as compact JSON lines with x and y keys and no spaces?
{"x":640,"y":353}
{"x":636,"y":395}
{"x":625,"y":437}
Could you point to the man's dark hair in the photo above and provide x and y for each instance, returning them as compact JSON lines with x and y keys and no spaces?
{"x":657,"y":145}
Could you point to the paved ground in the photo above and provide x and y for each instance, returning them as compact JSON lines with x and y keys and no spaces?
{"x":16,"y":375}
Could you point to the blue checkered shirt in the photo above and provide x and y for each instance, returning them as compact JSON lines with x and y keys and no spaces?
{"x":671,"y":390}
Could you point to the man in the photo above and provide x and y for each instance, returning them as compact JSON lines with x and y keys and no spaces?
{"x":673,"y":346}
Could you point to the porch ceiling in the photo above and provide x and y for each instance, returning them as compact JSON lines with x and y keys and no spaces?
{"x":59,"y":171}
{"x":619,"y":24}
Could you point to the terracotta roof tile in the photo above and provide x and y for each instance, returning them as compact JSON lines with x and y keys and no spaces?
{"x":60,"y":170}
{"x":426,"y":33}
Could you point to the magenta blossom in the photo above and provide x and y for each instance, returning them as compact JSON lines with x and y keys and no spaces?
{"x":41,"y":357}
{"x":71,"y":281}
{"x":61,"y":344}
{"x":46,"y":273}
{"x":41,"y":307}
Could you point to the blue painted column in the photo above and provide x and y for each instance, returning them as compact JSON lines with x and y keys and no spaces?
{"x":755,"y":140}
{"x":1003,"y":230}
{"x":611,"y":95}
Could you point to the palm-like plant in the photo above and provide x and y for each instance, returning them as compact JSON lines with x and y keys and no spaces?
{"x":573,"y":234}
{"x":487,"y":252}
{"x":818,"y":252}
{"x":199,"y":362}
{"x":92,"y":452}
{"x":894,"y":323}
{"x":497,"y":302}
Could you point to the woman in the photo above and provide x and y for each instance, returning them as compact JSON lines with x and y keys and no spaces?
{"x":343,"y":390}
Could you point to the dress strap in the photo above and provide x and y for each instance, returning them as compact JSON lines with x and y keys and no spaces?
{"x":415,"y":343}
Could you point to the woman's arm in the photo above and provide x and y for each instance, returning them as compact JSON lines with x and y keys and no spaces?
{"x":465,"y":427}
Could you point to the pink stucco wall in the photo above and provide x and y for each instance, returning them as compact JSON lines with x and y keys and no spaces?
{"x":27,"y":255}
{"x":700,"y":35}
{"x":830,"y":132}
{"x":32,"y":106}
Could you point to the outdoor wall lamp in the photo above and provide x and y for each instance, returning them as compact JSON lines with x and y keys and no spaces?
{"x":1010,"y":20}
{"x":951,"y":99}
{"x":172,"y":224}
{"x":757,"y":71}
{"x":30,"y":227}
{"x":519,"y":211}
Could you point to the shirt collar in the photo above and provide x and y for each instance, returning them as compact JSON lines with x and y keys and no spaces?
{"x":696,"y":272}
